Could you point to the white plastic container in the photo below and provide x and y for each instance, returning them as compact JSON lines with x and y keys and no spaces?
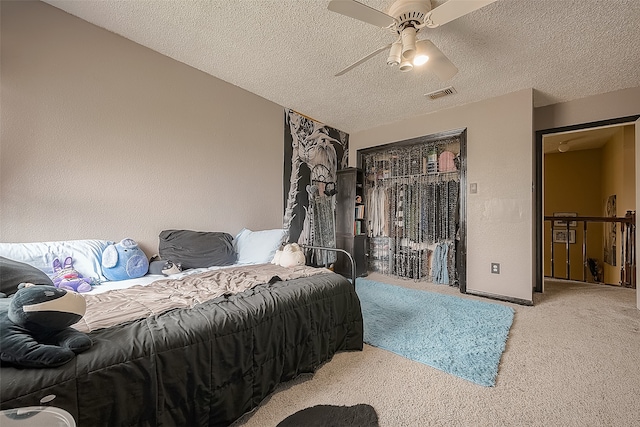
{"x":36,"y":416}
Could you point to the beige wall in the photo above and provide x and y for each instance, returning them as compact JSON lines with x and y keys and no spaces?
{"x":499,"y":156}
{"x":103,"y":138}
{"x":611,"y":105}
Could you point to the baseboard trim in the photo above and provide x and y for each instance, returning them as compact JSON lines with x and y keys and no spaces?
{"x":519,"y":301}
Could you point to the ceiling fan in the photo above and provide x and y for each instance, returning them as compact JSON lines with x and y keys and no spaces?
{"x":406,"y":18}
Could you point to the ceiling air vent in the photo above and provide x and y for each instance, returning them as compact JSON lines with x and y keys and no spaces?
{"x":441,"y":92}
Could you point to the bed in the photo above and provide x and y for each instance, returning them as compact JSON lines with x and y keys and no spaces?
{"x":205,"y":361}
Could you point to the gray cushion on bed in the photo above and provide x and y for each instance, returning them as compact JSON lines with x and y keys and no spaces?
{"x":12,"y":273}
{"x":196,"y":249}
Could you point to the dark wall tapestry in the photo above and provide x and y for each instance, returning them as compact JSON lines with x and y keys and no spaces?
{"x":313,"y":153}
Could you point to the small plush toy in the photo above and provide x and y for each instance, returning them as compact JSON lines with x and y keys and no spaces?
{"x":67,"y":277}
{"x":124,"y":260}
{"x":290,"y":256}
{"x":158,"y":266}
{"x":35,"y":327}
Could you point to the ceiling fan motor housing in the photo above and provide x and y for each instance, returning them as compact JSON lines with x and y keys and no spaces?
{"x":409,"y":13}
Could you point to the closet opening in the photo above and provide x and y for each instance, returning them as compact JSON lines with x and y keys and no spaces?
{"x":415,"y":198}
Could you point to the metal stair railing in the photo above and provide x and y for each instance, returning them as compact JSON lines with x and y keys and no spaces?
{"x":628,"y":231}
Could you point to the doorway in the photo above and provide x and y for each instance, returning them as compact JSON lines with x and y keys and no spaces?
{"x":588,"y":136}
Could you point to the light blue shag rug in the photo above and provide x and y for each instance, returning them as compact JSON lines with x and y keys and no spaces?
{"x":460,"y":336}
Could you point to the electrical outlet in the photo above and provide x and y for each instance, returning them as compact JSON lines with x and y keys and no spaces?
{"x":495,"y":268}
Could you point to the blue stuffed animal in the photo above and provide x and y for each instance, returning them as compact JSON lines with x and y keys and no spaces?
{"x":124,"y":260}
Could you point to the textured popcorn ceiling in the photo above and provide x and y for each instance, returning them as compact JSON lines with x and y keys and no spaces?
{"x":288,"y":51}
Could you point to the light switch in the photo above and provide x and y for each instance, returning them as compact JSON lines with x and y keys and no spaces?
{"x":473,"y":188}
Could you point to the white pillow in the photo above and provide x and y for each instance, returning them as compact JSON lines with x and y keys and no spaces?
{"x":86,"y":255}
{"x":257,"y":247}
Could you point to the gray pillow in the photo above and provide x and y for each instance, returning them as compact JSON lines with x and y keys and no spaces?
{"x":12,"y":273}
{"x":196,"y":249}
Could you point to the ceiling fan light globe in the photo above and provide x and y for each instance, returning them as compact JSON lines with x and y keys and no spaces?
{"x":406,"y":65}
{"x":408,"y":42}
{"x":420,"y":59}
{"x":422,"y":52}
{"x":394,"y":54}
{"x":408,"y":53}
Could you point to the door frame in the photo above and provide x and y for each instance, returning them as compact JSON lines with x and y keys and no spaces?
{"x":538,"y":159}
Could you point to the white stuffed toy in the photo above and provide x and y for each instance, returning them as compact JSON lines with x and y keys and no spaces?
{"x":290,"y":256}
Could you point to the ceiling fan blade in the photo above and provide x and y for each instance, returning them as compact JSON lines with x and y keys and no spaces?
{"x":453,"y":9}
{"x":362,"y":12}
{"x":366,"y":58}
{"x":438,"y":62}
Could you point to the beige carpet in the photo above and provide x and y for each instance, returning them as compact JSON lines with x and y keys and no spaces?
{"x":573,"y":359}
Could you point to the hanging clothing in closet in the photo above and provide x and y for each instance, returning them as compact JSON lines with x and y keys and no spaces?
{"x":413,"y":206}
{"x":378,"y":211}
{"x":440,"y":213}
{"x":441,"y":266}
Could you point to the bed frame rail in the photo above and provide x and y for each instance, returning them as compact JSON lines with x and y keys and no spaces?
{"x":353,"y":264}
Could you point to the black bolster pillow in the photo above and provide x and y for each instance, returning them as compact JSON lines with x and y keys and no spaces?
{"x":197,"y":249}
{"x":12,"y":273}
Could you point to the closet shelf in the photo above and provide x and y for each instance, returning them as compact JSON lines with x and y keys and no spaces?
{"x":452,"y":174}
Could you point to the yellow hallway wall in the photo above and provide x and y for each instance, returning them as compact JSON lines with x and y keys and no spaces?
{"x":572,"y":183}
